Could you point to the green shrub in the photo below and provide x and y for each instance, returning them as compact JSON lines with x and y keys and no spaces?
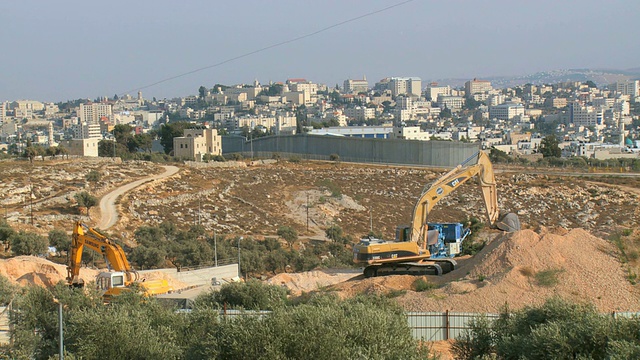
{"x":420,"y":285}
{"x":548,"y":278}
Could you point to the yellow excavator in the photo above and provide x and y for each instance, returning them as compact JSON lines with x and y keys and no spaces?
{"x":120,"y":276}
{"x":424,"y":248}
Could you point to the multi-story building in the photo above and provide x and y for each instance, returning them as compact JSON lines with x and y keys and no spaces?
{"x":356,"y":86}
{"x":631,"y":88}
{"x":475,"y":86}
{"x":196,"y":143}
{"x":3,"y":113}
{"x":585,"y":115}
{"x":87,"y":131}
{"x":433,"y":91}
{"x":91,"y":113}
{"x":31,"y":105}
{"x":405,"y":85}
{"x":453,"y":103}
{"x":360,"y":113}
{"x":506,"y":111}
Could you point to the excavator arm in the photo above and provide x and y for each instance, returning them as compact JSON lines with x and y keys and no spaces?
{"x":450,"y":182}
{"x":83,"y":236}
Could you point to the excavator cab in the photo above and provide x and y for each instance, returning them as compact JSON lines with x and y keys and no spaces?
{"x":108,"y":280}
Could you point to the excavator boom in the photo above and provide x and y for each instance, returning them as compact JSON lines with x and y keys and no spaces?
{"x":422,"y":240}
{"x":112,"y":282}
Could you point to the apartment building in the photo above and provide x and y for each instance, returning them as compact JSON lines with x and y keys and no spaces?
{"x":3,"y":112}
{"x":355,"y":86}
{"x":91,"y":113}
{"x":475,"y":86}
{"x":453,"y":103}
{"x":196,"y":143}
{"x":30,"y":105}
{"x":585,"y":115}
{"x":506,"y":111}
{"x":631,"y":88}
{"x":433,"y":91}
{"x":360,"y":113}
{"x":405,"y":85}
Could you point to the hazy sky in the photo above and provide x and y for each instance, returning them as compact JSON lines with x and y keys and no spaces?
{"x":61,"y":50}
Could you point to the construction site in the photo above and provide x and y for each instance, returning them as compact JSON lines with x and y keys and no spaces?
{"x":577,"y":237}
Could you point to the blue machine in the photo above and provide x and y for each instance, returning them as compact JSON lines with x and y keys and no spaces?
{"x":445,"y":239}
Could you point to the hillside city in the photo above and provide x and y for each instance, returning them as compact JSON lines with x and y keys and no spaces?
{"x":593,"y":121}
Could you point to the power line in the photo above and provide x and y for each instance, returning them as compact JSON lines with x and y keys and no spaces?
{"x":270,"y":46}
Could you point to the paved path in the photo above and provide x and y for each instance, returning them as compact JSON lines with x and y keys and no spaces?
{"x":108,"y":210}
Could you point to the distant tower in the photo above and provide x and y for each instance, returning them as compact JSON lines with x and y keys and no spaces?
{"x":622,"y":142}
{"x":139,"y":95}
{"x":50,"y":132}
{"x":256,"y":83}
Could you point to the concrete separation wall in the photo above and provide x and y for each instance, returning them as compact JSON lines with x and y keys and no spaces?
{"x":386,"y":151}
{"x":200,"y":276}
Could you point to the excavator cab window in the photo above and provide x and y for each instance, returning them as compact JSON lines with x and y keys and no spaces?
{"x":117,"y":280}
{"x":104,"y":283}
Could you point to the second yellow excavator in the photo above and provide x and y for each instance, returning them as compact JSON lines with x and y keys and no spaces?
{"x":424,"y":248}
{"x":114,"y":282}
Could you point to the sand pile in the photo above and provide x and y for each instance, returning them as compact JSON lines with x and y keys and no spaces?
{"x":31,"y":270}
{"x":510,"y":271}
{"x":311,"y":280}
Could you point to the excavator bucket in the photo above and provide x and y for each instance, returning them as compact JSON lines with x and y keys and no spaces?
{"x":509,"y":223}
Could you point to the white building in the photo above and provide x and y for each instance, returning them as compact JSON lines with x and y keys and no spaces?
{"x":87,"y":131}
{"x":356,"y":86}
{"x":453,"y":103}
{"x":93,"y":112}
{"x":506,"y":111}
{"x":3,"y":112}
{"x":360,"y":113}
{"x":585,"y":115}
{"x":631,"y":88}
{"x":410,"y":133}
{"x":405,"y":85}
{"x":433,"y":91}
{"x":475,"y":86}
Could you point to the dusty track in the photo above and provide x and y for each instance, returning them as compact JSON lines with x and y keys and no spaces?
{"x":108,"y":210}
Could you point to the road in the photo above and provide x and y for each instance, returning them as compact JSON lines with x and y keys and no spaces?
{"x":108,"y":210}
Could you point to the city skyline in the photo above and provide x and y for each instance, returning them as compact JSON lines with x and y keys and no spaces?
{"x":57,"y":53}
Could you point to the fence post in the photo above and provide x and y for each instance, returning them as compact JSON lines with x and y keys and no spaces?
{"x":446,"y":315}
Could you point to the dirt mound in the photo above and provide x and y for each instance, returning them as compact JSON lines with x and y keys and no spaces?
{"x":519,"y":269}
{"x":31,"y":270}
{"x":378,"y":285}
{"x":525,"y":268}
{"x":311,"y":280}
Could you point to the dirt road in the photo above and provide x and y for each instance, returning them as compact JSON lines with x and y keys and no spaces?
{"x":108,"y":211}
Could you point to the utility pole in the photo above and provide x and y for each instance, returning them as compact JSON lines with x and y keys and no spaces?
{"x":215,"y":248}
{"x":370,"y":222}
{"x":239,"y":272}
{"x":307,"y":211}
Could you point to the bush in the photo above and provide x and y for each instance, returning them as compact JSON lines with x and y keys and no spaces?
{"x":252,"y":295}
{"x":548,"y":278}
{"x":93,"y":176}
{"x":27,"y":243}
{"x":420,"y":285}
{"x":59,"y":239}
{"x":555,"y":330}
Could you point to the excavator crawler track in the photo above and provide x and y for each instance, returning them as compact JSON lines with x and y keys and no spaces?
{"x":432,"y":267}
